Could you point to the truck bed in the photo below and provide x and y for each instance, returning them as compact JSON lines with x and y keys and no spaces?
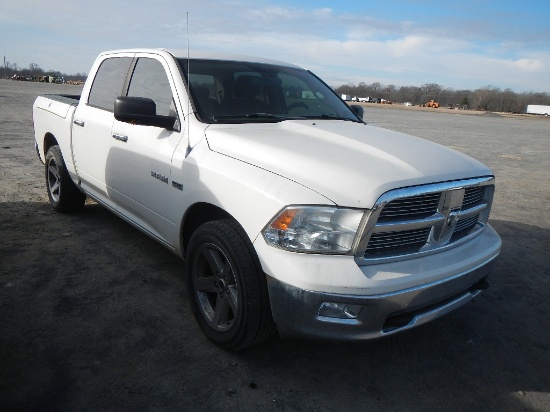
{"x":71,"y":99}
{"x":53,"y":115}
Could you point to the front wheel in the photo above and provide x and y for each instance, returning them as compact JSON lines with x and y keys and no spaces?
{"x":63,"y":193}
{"x":227,"y":287}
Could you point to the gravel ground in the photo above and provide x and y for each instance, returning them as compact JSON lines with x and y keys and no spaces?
{"x":94,"y":314}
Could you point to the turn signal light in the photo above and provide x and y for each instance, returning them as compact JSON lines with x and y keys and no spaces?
{"x":284,"y":219}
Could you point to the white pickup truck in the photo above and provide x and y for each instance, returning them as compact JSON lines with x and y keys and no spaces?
{"x":291,"y":213}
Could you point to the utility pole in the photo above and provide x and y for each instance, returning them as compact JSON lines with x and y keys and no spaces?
{"x":5,"y":68}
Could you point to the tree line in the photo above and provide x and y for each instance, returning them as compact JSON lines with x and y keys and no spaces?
{"x":34,"y":71}
{"x":488,"y":98}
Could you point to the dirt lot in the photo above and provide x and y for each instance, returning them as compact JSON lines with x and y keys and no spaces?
{"x":94,"y":314}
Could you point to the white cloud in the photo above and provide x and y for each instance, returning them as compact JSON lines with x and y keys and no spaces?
{"x":529,"y":65}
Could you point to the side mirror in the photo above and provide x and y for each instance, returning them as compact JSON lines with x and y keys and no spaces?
{"x":142,"y":111}
{"x":358,"y":110}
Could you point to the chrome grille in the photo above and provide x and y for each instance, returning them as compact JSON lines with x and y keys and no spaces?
{"x":463,"y":227}
{"x":393,"y":241}
{"x":411,"y":207}
{"x":465,"y":224}
{"x":473,"y":196}
{"x":426,"y":218}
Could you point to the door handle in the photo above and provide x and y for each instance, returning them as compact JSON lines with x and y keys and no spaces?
{"x":79,"y":123}
{"x":120,"y":137}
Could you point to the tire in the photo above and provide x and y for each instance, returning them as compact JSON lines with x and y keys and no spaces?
{"x":64,"y":196}
{"x":226,"y":286}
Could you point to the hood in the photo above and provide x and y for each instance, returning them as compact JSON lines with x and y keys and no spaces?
{"x":351,"y":164}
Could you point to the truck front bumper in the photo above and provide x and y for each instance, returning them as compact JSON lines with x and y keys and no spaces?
{"x":299,"y":312}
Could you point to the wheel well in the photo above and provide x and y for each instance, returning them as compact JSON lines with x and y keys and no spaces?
{"x":195,"y":216}
{"x":49,"y":141}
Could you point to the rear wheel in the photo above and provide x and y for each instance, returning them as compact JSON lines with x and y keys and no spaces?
{"x":227,"y":287}
{"x":63,"y":193}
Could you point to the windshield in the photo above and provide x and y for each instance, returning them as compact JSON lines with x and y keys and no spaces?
{"x":243,"y":92}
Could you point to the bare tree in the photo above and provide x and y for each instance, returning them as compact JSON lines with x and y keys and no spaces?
{"x":362,"y":90}
{"x":35,"y":69}
{"x":430,"y":91}
{"x":389,"y":90}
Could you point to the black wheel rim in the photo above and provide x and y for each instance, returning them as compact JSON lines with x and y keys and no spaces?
{"x":54,"y":185}
{"x":215,"y":287}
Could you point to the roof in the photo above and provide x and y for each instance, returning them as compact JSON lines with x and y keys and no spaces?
{"x":209,"y":55}
{"x":204,"y":55}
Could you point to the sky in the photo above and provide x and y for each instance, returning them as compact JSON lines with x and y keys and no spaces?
{"x":464,"y":44}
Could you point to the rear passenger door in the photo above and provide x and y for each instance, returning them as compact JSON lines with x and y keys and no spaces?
{"x":93,"y":120}
{"x":139,"y":164}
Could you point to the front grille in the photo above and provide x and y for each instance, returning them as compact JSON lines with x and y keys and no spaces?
{"x":410,"y":240}
{"x":463,"y":227}
{"x":415,"y":207}
{"x":473,"y":196}
{"x":429,"y":218}
{"x":465,"y":224}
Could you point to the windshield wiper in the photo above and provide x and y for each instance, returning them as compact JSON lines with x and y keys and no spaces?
{"x":254,"y":117}
{"x":332,"y":117}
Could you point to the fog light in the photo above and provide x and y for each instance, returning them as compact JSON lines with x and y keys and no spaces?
{"x":339,"y":310}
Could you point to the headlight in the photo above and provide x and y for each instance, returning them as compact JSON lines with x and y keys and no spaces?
{"x":314,"y":229}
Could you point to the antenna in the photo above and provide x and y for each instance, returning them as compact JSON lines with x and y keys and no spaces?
{"x":188,"y":150}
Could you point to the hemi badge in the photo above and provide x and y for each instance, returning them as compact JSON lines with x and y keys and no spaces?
{"x":177,"y":185}
{"x":160,"y":177}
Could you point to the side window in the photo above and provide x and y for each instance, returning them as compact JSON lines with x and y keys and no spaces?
{"x":149,"y":80}
{"x":108,"y":82}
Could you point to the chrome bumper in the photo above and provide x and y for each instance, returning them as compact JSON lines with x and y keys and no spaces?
{"x":296,"y":311}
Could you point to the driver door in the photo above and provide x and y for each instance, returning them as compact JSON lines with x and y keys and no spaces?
{"x":139,"y":164}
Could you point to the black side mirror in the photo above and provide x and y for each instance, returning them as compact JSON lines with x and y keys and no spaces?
{"x":358,"y":110}
{"x":142,"y":111}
